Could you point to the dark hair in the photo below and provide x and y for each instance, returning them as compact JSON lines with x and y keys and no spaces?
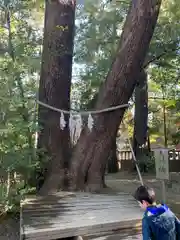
{"x":145,"y":193}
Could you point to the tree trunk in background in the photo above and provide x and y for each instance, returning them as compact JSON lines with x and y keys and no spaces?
{"x":141,"y":112}
{"x":54,"y":89}
{"x":140,"y":136}
{"x":112,"y":160}
{"x":91,"y":153}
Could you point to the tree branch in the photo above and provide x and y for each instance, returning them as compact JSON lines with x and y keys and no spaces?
{"x":160,"y":55}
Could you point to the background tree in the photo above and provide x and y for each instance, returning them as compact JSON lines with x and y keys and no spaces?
{"x":20,"y":62}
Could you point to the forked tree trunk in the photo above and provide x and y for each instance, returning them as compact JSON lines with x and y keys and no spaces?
{"x":91,"y":153}
{"x":55,"y":84}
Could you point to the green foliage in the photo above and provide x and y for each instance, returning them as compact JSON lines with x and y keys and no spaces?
{"x":98,"y":30}
{"x":146,"y":161}
{"x":20,"y":52}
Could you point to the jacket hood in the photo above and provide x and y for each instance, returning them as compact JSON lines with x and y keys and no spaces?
{"x":157,"y":210}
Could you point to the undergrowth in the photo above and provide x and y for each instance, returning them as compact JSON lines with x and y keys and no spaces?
{"x":10,"y":203}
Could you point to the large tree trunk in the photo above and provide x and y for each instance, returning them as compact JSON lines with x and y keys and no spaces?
{"x":54,"y":89}
{"x":91,"y":153}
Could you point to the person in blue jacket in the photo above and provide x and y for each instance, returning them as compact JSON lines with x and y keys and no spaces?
{"x":158,"y":222}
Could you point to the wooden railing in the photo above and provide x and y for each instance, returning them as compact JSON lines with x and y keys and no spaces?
{"x":124,"y":155}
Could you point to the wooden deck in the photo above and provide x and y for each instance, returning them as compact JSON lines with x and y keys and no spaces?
{"x":65,"y":215}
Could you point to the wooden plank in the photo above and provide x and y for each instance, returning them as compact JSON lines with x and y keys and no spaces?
{"x":54,"y":211}
{"x":55,"y":233}
{"x":79,"y":195}
{"x":78,"y":206}
{"x":79,"y":200}
{"x":74,"y":206}
{"x":85,"y":214}
{"x":88,"y":217}
{"x":68,"y":212}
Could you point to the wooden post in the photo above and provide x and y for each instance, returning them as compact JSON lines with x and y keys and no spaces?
{"x":163,"y":191}
{"x":162,"y":169}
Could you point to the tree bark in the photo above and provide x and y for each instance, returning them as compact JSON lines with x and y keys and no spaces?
{"x":140,"y":135}
{"x":141,"y":112}
{"x":91,"y":152}
{"x":112,"y":160}
{"x":54,"y":89}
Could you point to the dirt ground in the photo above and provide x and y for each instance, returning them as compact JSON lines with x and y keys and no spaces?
{"x":119,"y":182}
{"x":128,"y":182}
{"x":9,"y":229}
